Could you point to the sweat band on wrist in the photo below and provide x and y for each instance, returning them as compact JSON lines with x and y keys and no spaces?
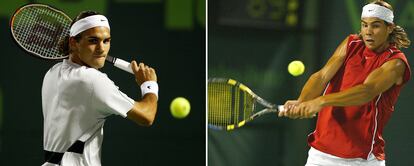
{"x":149,"y":87}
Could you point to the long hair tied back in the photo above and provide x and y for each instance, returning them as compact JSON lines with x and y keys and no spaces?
{"x":398,"y":36}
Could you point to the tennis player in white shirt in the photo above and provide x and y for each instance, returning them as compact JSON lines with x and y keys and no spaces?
{"x":77,"y":97}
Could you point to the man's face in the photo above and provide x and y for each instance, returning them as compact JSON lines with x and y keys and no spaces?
{"x":93,"y":47}
{"x":375,"y":33}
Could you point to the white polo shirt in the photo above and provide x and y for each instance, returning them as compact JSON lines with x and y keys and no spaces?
{"x":76,"y":100}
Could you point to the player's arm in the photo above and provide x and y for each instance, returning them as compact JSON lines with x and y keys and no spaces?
{"x":317,"y":81}
{"x":381,"y":79}
{"x":378,"y":81}
{"x":143,"y":112}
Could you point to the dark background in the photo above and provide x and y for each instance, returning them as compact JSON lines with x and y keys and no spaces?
{"x":167,"y":35}
{"x":253,"y":41}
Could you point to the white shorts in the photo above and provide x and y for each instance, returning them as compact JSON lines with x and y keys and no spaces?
{"x":318,"y":158}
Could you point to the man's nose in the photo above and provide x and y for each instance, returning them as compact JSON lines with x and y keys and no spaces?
{"x":100,"y":47}
{"x":369,"y":30}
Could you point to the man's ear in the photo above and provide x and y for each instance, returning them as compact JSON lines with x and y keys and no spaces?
{"x":390,"y":28}
{"x":72,"y":44}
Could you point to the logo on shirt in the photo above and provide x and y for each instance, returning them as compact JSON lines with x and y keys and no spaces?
{"x":149,"y":87}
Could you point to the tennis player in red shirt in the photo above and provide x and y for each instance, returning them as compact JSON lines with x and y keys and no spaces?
{"x":354,"y":94}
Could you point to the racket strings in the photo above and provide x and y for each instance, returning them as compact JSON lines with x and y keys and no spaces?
{"x":219,"y":99}
{"x":39,"y":29}
{"x":248,"y":106}
{"x":228,"y":106}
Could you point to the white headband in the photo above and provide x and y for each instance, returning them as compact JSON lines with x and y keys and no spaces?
{"x":381,"y":12}
{"x":87,"y":23}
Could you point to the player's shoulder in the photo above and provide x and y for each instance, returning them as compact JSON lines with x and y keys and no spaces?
{"x":79,"y":73}
{"x":54,"y":70}
{"x":56,"y":66}
{"x":353,"y":41}
{"x":92,"y":74}
{"x":354,"y":38}
{"x":71,"y":70}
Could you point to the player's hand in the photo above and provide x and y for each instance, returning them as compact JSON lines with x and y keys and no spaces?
{"x":307,"y":109}
{"x":143,"y":72}
{"x":289,"y":105}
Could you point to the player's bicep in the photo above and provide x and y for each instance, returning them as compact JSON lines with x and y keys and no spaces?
{"x":335,"y":62}
{"x":382,"y":78}
{"x":106,"y":96}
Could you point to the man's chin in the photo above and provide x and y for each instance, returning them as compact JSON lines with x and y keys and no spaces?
{"x":98,"y":66}
{"x":369,"y":46}
{"x":101,"y":66}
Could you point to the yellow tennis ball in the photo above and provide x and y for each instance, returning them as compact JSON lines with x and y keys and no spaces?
{"x":296,"y":68}
{"x":180,"y":107}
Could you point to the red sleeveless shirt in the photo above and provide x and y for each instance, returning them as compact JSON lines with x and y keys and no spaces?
{"x":356,"y":131}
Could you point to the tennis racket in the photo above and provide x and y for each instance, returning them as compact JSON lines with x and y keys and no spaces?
{"x":38,"y":28}
{"x":232,"y":104}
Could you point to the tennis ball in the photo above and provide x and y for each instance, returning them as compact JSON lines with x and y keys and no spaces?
{"x":180,"y":107}
{"x":296,"y":68}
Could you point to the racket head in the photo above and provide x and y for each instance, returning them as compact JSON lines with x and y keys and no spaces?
{"x":230,"y":104}
{"x":38,"y":28}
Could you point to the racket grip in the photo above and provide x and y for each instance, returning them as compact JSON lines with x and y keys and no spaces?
{"x":123,"y":65}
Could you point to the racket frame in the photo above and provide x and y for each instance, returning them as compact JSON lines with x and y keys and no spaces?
{"x":34,"y":54}
{"x":117,"y":62}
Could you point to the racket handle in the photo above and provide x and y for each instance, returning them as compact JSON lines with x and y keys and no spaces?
{"x":121,"y":64}
{"x":124,"y":65}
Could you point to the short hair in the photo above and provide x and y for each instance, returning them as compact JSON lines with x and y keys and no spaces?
{"x":64,"y":43}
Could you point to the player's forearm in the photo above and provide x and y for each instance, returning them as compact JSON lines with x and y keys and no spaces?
{"x":144,"y":111}
{"x":357,"y":95}
{"x":313,"y":88}
{"x":149,"y":108}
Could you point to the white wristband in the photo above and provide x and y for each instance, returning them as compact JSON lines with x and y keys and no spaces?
{"x":149,"y":87}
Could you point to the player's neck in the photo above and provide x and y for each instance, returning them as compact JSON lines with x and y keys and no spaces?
{"x":75,"y":59}
{"x":382,"y":47}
